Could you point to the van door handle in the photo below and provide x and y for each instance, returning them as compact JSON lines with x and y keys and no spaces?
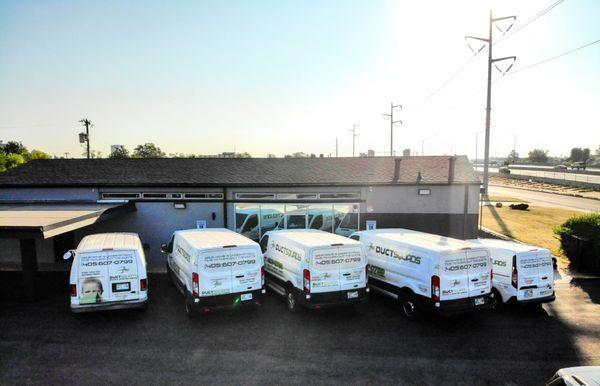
{"x":474,"y":279}
{"x":347,"y":274}
{"x":239,"y":276}
{"x":545,"y":277}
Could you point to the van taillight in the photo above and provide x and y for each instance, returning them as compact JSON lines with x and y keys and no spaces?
{"x":73,"y":289}
{"x":262,"y":276}
{"x":491,"y":274}
{"x":143,"y":284}
{"x":367,"y":273}
{"x":435,"y":288}
{"x":196,"y":284}
{"x":515,"y":273}
{"x":306,"y":275}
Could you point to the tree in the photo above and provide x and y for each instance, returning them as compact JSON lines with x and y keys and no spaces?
{"x":513,"y":156}
{"x":14,"y":147}
{"x":579,"y":155}
{"x":10,"y":160}
{"x":148,"y":150}
{"x":38,"y":154}
{"x":243,"y":155}
{"x":271,"y":155}
{"x":538,"y":156}
{"x":119,"y":152}
{"x":598,"y":153}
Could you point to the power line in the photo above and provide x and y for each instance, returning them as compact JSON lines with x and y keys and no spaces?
{"x":531,"y":20}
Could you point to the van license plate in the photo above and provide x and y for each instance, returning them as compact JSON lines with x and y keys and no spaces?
{"x":352,"y":294}
{"x":246,"y":297}
{"x":121,"y":287}
{"x":479,"y":301}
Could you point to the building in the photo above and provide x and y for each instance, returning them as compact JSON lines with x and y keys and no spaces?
{"x":47,"y":206}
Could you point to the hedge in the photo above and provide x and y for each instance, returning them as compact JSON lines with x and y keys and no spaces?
{"x":580,"y":241}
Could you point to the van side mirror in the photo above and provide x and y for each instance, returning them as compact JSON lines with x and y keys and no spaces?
{"x":69,"y":254}
{"x":164,"y":248}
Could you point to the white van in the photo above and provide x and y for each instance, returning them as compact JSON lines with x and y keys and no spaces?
{"x":215,"y":268}
{"x":315,"y":268}
{"x":247,"y":219}
{"x":426,"y":271}
{"x":108,"y":272}
{"x":522,"y":273}
{"x":316,"y":218}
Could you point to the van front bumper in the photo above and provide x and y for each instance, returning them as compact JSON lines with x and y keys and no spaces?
{"x":463,"y":305}
{"x":229,"y":301}
{"x":332,"y":299}
{"x":109,"y":306}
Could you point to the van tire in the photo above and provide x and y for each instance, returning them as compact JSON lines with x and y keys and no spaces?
{"x":290,"y":300}
{"x":409,"y":307}
{"x":496,"y":300}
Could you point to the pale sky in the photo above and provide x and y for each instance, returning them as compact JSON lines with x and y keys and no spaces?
{"x":282,"y":76}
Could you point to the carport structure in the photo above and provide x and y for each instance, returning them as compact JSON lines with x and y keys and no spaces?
{"x":28,"y":222}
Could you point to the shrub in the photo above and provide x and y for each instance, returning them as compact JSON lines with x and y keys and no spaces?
{"x":580,"y":241}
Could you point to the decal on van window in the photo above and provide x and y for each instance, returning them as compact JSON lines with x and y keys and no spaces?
{"x":287,"y":251}
{"x":394,"y":254}
{"x":534,"y":262}
{"x":463,"y":263}
{"x":335,"y":257}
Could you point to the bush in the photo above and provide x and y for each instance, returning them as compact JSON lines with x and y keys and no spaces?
{"x":580,"y":241}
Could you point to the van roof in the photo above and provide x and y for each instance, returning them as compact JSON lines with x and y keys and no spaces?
{"x":116,"y":241}
{"x":312,"y":237}
{"x":429,"y":241}
{"x":508,"y":245}
{"x":214,"y":238}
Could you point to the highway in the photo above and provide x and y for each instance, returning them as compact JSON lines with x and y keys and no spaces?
{"x":548,"y":199}
{"x":559,"y":175}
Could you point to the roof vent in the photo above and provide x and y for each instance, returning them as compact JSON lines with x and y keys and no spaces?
{"x":451,"y":162}
{"x":396,"y":170}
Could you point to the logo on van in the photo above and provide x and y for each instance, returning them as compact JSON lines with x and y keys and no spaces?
{"x":499,"y":263}
{"x":122,"y":270}
{"x":391,"y":253}
{"x":286,"y":251}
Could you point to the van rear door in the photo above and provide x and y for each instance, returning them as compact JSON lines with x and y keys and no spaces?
{"x":464,"y":274}
{"x":535,"y":274}
{"x":228,"y":270}
{"x":337,"y":268}
{"x":108,"y":276}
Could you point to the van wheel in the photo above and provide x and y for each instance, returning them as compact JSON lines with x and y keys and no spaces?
{"x":190,"y":311}
{"x":290,"y":301}
{"x":409,"y":307}
{"x":496,"y":300}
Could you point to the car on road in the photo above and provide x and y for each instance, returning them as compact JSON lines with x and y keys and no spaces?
{"x":559,"y":167}
{"x":108,"y":272}
{"x":576,"y":376}
{"x":522,"y":273}
{"x":424,"y":271}
{"x":504,"y":170}
{"x":314,"y":268}
{"x":215,"y":268}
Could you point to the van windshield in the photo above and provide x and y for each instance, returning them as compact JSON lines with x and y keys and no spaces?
{"x":296,"y":222}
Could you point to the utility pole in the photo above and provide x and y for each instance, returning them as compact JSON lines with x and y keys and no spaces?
{"x":390,"y":116}
{"x":86,"y":136}
{"x":489,"y":41}
{"x":336,"y":147}
{"x":354,"y":135}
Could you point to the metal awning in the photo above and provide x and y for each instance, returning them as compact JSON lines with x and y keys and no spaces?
{"x":47,"y":220}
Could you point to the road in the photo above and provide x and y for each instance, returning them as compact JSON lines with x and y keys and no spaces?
{"x":43,"y":343}
{"x":558,"y":175}
{"x":547,"y":199}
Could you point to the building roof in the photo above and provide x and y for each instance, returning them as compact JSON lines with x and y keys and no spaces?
{"x":242,"y":171}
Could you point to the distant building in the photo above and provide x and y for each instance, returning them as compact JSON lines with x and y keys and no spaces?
{"x":406,"y":153}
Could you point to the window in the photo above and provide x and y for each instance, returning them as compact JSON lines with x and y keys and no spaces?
{"x":255,"y":196}
{"x":120,"y":195}
{"x":155,"y":195}
{"x":338,"y":196}
{"x":246,"y":220}
{"x":316,"y":222}
{"x":264,"y":242}
{"x":271,"y":217}
{"x":355,"y":237}
{"x":345,"y":219}
{"x":424,"y":192}
{"x":297,"y":196}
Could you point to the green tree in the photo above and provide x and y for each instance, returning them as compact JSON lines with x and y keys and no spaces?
{"x":10,"y":160}
{"x":538,"y":156}
{"x":271,"y":155}
{"x":38,"y":154}
{"x":14,"y":147}
{"x":579,"y":155}
{"x":243,"y":155}
{"x":513,"y":156}
{"x":148,"y":150}
{"x":119,"y":152}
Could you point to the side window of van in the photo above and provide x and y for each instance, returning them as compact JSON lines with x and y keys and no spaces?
{"x":263,"y":243}
{"x":251,"y":223}
{"x":317,"y":222}
{"x":170,"y":246}
{"x":355,"y":237}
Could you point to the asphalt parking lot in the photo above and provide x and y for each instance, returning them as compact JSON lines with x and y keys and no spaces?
{"x":42,"y":342}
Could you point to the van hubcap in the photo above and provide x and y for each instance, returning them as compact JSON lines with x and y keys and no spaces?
{"x":409,"y":307}
{"x":291,"y":300}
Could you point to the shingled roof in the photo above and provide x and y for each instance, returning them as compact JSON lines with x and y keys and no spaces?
{"x":241,"y":172}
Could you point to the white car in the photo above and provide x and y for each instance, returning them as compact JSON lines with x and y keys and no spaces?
{"x":522,"y":273}
{"x":576,"y":376}
{"x":425,"y":271}
{"x":315,"y":268}
{"x":108,"y":272}
{"x":215,"y":268}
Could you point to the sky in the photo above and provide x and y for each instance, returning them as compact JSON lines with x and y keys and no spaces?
{"x":279,"y":77}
